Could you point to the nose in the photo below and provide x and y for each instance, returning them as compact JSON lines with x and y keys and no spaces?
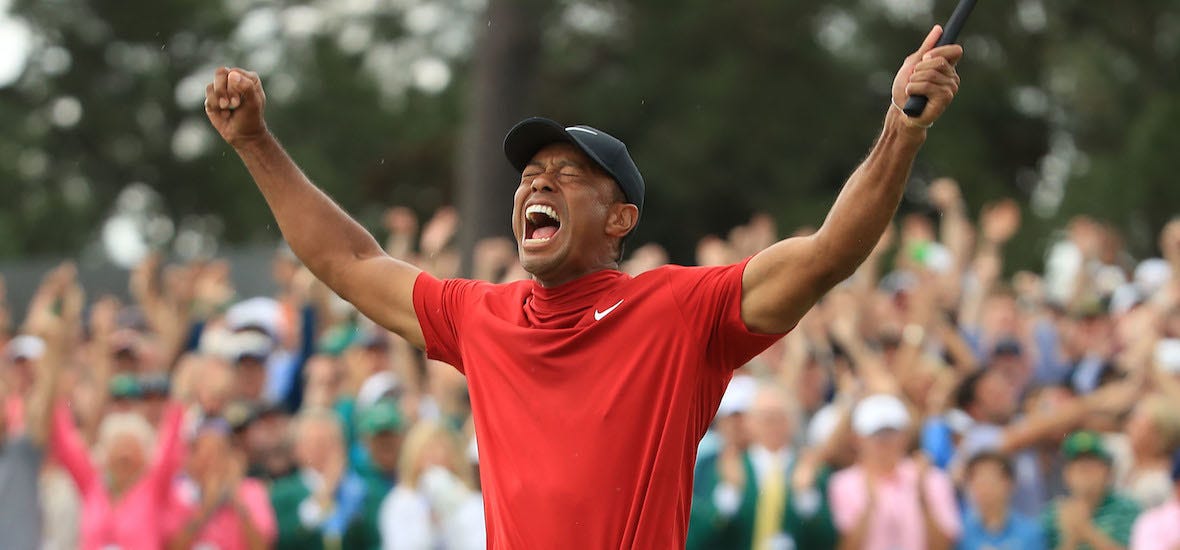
{"x":542,"y":183}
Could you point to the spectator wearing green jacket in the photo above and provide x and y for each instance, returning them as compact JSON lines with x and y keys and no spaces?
{"x":321,"y":505}
{"x":765,"y":496}
{"x":1092,"y":516}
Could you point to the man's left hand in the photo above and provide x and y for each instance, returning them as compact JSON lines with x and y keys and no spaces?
{"x":930,"y":72}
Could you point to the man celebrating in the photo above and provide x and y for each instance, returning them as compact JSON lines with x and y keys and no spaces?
{"x":590,"y":389}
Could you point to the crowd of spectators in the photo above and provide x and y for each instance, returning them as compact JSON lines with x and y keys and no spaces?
{"x":930,"y":401}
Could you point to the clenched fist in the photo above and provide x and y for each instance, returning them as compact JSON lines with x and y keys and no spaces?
{"x":234,"y":102}
{"x":930,"y":72}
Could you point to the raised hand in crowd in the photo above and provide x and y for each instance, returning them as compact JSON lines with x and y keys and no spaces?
{"x":402,"y":225}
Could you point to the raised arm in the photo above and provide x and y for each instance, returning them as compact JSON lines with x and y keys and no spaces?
{"x":782,"y":282}
{"x":58,"y":331}
{"x":329,"y":242}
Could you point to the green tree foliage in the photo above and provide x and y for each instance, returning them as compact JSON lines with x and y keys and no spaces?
{"x":729,"y":107}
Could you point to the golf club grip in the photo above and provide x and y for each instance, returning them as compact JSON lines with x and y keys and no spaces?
{"x":916,"y":104}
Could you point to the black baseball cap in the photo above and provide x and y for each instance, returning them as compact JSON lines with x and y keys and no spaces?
{"x":608,"y":152}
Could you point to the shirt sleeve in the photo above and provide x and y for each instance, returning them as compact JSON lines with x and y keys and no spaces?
{"x":940,"y":500}
{"x":1125,"y":512}
{"x":170,"y":452}
{"x":257,"y":504}
{"x":847,"y":500}
{"x":710,"y":301}
{"x":68,"y":448}
{"x":440,"y":306}
{"x":405,"y":521}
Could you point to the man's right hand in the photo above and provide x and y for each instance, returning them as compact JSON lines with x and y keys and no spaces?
{"x":234,"y":102}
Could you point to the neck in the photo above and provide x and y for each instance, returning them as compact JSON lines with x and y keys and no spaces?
{"x":1092,"y":500}
{"x":993,"y":515}
{"x":881,"y":467}
{"x":552,"y":280}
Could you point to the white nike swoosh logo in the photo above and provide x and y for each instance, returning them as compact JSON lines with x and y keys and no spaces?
{"x":598,"y":315}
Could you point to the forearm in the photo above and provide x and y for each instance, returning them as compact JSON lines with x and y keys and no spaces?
{"x":41,"y":404}
{"x":855,"y":539}
{"x":254,"y":538}
{"x":1040,"y":426}
{"x":318,"y":231}
{"x":936,"y":539}
{"x":869,"y":198}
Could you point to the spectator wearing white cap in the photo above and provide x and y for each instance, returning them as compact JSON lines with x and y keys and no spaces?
{"x":728,"y":426}
{"x":767,"y":495}
{"x":258,"y":325}
{"x":20,"y":357}
{"x":886,"y":500}
{"x":22,"y":453}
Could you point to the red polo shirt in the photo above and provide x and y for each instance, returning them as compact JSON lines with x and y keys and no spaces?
{"x":590,"y":398}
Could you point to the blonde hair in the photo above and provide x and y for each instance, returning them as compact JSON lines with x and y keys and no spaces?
{"x":124,"y":423}
{"x":423,"y":433}
{"x":1165,"y":416}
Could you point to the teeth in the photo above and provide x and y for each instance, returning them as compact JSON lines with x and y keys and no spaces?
{"x":541,"y":209}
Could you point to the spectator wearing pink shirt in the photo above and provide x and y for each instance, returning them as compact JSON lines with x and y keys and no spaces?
{"x":876,"y":503}
{"x":215,"y":505}
{"x":125,"y":497}
{"x":1159,"y":527}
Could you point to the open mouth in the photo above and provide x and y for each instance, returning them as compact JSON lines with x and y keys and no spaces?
{"x":541,"y":223}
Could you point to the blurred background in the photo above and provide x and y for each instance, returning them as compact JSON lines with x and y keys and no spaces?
{"x":756,"y":104}
{"x":1002,"y":372}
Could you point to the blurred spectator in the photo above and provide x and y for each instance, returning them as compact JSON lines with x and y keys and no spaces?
{"x":983,"y":363}
{"x":433,"y":504}
{"x":989,"y":520}
{"x":1159,"y":527}
{"x":766,"y":495}
{"x":887,"y":500}
{"x":33,"y":361}
{"x":321,"y":505}
{"x":988,"y":398}
{"x":381,"y":430}
{"x":1092,"y":515}
{"x":215,"y":505}
{"x":1153,"y":432}
{"x":124,"y":485}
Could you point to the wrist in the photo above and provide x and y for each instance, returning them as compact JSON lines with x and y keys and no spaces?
{"x":901,"y":129}
{"x":254,"y":143}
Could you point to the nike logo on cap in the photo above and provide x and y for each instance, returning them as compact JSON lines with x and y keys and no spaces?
{"x":598,"y":315}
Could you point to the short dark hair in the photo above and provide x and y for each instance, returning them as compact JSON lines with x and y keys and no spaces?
{"x":994,"y":457}
{"x":619,"y":196}
{"x":965,"y":392}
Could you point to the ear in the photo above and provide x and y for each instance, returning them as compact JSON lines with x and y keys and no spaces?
{"x":621,"y":219}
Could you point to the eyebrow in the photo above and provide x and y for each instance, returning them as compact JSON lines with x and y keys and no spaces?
{"x":560,"y":164}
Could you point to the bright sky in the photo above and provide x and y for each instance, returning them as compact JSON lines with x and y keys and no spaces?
{"x":15,"y":42}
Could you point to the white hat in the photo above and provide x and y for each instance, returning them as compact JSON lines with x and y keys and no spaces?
{"x":1124,"y":298}
{"x":374,"y":388}
{"x":958,"y":421}
{"x":25,"y":347}
{"x":739,"y":395}
{"x":248,"y":344}
{"x":1167,"y":355}
{"x":879,"y":412}
{"x":823,"y":423}
{"x":261,"y":312}
{"x":1152,"y":274}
